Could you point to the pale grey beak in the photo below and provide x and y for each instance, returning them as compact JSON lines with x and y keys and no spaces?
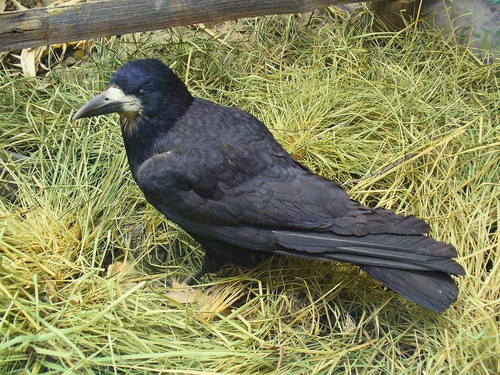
{"x":110,"y":101}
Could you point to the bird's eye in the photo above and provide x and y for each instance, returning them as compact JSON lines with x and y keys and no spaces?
{"x":142,"y":92}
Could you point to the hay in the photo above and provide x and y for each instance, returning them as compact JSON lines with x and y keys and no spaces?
{"x":408,"y":121}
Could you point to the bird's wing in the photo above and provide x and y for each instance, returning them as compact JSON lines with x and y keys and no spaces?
{"x":234,"y":185}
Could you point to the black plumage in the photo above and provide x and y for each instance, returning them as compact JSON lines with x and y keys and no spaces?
{"x":219,"y":173}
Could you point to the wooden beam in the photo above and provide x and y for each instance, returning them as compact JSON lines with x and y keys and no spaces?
{"x":45,"y":26}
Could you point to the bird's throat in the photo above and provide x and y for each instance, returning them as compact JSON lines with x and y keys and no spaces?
{"x":139,"y":140}
{"x":129,"y":122}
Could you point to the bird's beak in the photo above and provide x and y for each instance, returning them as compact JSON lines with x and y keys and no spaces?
{"x":110,"y":101}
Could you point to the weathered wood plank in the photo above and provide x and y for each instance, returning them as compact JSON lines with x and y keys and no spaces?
{"x":45,"y":26}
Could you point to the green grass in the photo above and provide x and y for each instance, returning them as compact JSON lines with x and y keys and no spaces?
{"x":407,"y":121}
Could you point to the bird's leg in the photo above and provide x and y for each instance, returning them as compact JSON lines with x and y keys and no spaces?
{"x":211,"y":264}
{"x":195,"y":278}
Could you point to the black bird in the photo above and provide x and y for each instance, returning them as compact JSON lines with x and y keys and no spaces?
{"x":220,"y":174}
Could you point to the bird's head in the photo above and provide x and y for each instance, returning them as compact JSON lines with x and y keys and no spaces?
{"x":142,"y":92}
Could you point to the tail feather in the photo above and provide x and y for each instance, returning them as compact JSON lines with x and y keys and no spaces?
{"x":389,"y":250}
{"x":432,"y":289}
{"x":416,"y":267}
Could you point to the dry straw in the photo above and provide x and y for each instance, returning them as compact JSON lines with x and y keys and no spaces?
{"x":408,"y":121}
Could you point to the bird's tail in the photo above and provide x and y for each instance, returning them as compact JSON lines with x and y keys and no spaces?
{"x":416,"y":266}
{"x":434,"y":290}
